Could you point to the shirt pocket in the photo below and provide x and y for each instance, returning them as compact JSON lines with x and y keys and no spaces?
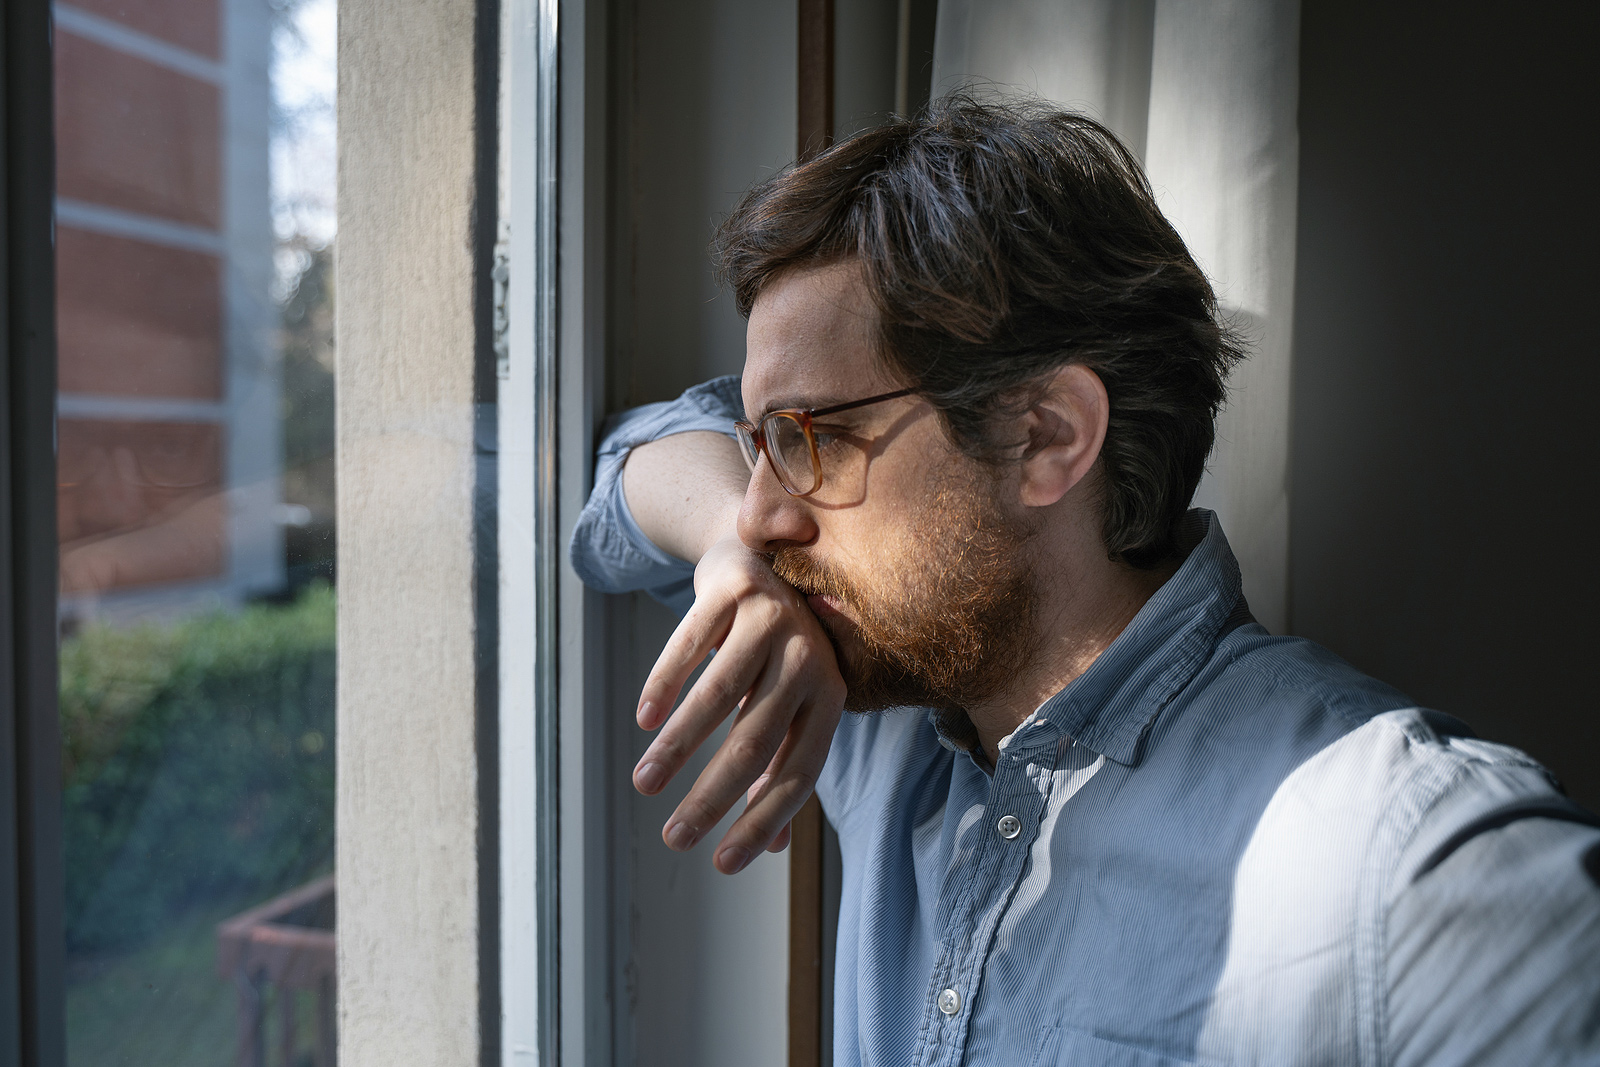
{"x":1060,"y":1046}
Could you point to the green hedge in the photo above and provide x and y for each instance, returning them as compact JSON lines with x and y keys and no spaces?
{"x":197,"y":764}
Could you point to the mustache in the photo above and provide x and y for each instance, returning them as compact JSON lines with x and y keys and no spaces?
{"x":811,"y":576}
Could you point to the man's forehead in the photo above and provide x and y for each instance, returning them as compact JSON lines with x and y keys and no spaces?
{"x":810,"y":341}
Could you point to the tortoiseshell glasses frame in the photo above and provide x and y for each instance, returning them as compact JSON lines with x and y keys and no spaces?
{"x":787,"y":440}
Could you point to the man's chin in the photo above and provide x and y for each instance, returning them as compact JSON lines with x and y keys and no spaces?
{"x":863,"y":676}
{"x":871,"y":684}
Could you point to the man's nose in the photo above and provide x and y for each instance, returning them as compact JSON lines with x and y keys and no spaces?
{"x":770,"y":518}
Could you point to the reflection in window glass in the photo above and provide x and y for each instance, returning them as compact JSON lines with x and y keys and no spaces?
{"x":195,"y":504}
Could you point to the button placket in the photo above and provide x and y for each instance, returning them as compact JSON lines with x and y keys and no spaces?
{"x":967,"y":941}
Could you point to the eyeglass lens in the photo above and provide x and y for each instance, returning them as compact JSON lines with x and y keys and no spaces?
{"x":791,"y":454}
{"x":747,"y":445}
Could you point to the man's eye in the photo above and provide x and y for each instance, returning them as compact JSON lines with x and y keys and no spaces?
{"x":824,"y":439}
{"x":828,"y":435}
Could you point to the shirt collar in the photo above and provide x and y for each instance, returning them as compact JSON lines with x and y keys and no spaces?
{"x":1111,"y":706}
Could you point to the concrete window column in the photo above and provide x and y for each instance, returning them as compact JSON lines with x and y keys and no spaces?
{"x":408,"y":770}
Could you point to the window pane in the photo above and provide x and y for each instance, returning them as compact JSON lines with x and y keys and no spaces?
{"x":195,"y":506}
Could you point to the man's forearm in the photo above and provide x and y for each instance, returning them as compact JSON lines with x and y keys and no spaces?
{"x":684,"y":490}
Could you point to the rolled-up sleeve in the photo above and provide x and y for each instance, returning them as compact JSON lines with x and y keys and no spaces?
{"x":609,"y":551}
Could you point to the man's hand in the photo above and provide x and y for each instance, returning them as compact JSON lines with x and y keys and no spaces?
{"x":776,"y":668}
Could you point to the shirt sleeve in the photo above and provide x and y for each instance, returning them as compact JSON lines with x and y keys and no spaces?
{"x":609,"y":551}
{"x":1494,"y":955}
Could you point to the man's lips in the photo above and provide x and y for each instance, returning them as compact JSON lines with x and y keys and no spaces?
{"x":823,"y":604}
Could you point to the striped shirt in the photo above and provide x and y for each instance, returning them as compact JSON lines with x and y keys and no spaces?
{"x":1216,"y":846}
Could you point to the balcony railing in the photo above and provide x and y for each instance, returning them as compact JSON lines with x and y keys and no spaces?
{"x":273,"y":952}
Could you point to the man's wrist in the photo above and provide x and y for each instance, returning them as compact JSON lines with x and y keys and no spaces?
{"x":684,"y":491}
{"x":722,"y":525}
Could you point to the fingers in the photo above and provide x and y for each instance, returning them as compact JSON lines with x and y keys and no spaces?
{"x":704,"y":628}
{"x":766,"y":819}
{"x":752,"y":742}
{"x":780,"y":842}
{"x":785,"y":730}
{"x":720,"y":689}
{"x":776,"y":667}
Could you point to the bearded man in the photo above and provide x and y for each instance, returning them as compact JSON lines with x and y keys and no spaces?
{"x":1114,"y":820}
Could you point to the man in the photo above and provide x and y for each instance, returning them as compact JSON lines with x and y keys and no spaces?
{"x":1127,"y":825}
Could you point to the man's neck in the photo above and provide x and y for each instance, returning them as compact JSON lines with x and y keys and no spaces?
{"x":1085,"y":600}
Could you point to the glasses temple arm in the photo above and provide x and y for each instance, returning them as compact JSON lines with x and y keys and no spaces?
{"x":814,"y":412}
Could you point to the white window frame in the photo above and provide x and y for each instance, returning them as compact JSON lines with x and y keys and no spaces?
{"x":528,"y":542}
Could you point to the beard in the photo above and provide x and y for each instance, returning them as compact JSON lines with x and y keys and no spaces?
{"x":944,"y":621}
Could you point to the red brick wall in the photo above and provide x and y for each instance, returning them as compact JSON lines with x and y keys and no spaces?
{"x":191,"y":24}
{"x":141,"y":502}
{"x":137,"y":319}
{"x":134,"y":136}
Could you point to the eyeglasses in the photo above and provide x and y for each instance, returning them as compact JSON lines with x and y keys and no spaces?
{"x":790,"y":445}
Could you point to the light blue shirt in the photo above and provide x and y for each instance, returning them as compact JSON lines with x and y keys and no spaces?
{"x":1216,"y":846}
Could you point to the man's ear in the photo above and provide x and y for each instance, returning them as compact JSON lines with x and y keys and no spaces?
{"x":1066,"y":427}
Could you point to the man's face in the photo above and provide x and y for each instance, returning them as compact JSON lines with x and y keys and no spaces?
{"x":912,"y":555}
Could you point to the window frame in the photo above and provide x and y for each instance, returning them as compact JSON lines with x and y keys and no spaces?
{"x":527,"y":548}
{"x":32,"y":1018}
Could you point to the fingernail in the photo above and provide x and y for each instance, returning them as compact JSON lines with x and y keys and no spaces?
{"x":650,"y":778}
{"x":733,"y":860}
{"x":647,"y":712}
{"x":681,"y":837}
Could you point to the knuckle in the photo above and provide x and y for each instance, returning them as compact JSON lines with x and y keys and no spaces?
{"x":669,"y":751}
{"x":800,"y":781}
{"x":745,"y":584}
{"x":761,"y":829}
{"x":810,"y":655}
{"x":750,"y":750}
{"x":718,"y":692}
{"x":697,"y":812}
{"x":736,"y":578}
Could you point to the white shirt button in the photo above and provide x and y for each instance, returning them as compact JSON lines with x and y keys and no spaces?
{"x":1009,"y":826}
{"x":949,"y":1002}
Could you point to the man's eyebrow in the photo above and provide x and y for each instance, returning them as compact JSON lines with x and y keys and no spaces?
{"x":800,"y":404}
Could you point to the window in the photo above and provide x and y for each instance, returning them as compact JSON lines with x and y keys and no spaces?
{"x":195,"y":518}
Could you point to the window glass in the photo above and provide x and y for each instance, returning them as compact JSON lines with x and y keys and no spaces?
{"x":195,"y":508}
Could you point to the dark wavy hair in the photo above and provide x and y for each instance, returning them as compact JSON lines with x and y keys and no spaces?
{"x":999,"y":242}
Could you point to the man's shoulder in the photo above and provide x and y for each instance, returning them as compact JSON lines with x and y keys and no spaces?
{"x":1263,"y":668}
{"x":1348,"y":758}
{"x":1366,"y":773}
{"x":1412,"y":785}
{"x":1400,"y":836}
